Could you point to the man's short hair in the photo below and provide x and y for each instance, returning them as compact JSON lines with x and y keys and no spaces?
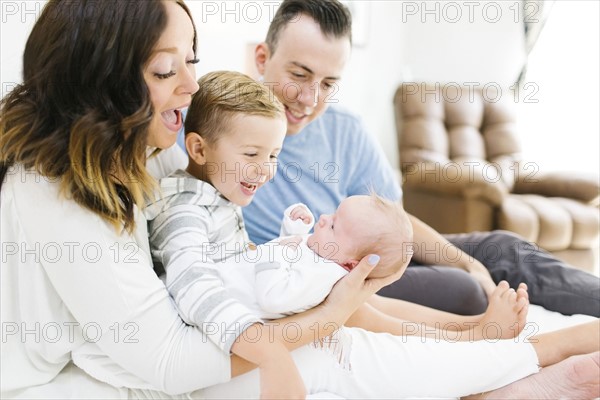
{"x":332,"y":16}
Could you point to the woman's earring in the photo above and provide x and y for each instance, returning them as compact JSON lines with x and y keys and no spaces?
{"x":261,"y":79}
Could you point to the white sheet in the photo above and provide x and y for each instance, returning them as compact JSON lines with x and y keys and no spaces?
{"x":550,"y":321}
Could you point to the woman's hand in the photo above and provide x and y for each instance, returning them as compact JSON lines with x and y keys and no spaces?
{"x":354,"y":289}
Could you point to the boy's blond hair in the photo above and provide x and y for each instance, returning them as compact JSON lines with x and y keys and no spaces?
{"x":224,"y":94}
{"x":392,"y":239}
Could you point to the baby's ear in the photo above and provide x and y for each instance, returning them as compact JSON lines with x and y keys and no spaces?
{"x":196,"y":147}
{"x":350,"y":264}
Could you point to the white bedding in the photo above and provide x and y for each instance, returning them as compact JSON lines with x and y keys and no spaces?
{"x":550,"y":321}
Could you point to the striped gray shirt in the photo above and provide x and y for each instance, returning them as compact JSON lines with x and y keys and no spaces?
{"x":192,"y":228}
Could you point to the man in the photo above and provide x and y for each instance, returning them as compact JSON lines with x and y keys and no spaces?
{"x":327,"y":156}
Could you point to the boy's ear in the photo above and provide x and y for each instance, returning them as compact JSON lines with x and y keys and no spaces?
{"x":196,"y":147}
{"x":350,"y":264}
{"x":261,"y":55}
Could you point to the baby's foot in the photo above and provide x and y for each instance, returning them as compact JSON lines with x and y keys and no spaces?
{"x":506,"y":314}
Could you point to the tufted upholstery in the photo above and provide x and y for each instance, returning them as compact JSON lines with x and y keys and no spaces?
{"x":462,"y":168}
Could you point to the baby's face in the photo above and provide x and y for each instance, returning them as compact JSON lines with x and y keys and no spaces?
{"x":339,"y":236}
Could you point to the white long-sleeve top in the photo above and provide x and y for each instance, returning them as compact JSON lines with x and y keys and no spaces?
{"x":288,"y":279}
{"x":69,"y":280}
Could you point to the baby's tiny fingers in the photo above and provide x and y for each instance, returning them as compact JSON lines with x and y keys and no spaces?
{"x":296,"y":213}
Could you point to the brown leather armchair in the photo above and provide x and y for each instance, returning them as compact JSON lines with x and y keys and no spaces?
{"x":462,"y":172}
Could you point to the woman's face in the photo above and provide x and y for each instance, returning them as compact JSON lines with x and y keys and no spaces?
{"x":171,"y":77}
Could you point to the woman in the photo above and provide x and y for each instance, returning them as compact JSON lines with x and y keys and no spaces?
{"x":101,"y":83}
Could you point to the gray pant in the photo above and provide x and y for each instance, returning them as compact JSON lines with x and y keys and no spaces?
{"x":552,"y":283}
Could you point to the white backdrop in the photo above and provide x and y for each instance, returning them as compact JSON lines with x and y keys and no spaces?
{"x":437,"y":41}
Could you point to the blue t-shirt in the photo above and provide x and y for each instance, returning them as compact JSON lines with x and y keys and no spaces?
{"x":332,"y":158}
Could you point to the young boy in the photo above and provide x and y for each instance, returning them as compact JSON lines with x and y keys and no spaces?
{"x":233,"y":152}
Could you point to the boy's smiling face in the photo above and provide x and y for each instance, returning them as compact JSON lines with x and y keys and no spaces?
{"x":244,"y":157}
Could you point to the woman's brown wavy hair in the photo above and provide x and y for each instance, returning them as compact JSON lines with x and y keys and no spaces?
{"x":83,"y":110}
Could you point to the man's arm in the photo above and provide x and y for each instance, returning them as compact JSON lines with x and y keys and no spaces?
{"x":431,"y":248}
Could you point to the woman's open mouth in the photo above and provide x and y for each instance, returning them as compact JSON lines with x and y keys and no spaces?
{"x":172,"y":119}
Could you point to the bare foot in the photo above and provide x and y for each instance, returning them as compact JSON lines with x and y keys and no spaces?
{"x":506,"y":314}
{"x":577,"y":377}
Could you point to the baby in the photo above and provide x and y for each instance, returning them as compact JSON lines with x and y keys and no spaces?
{"x":292,"y":274}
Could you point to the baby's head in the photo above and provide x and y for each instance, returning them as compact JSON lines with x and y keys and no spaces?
{"x":365,"y":225}
{"x":234,"y":130}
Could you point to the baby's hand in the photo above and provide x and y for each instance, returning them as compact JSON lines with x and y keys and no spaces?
{"x":300,"y":212}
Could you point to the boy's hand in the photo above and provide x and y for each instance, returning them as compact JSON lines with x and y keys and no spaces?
{"x":300,"y":212}
{"x":280,"y":379}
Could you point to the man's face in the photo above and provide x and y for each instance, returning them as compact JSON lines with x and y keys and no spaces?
{"x":304,"y":70}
